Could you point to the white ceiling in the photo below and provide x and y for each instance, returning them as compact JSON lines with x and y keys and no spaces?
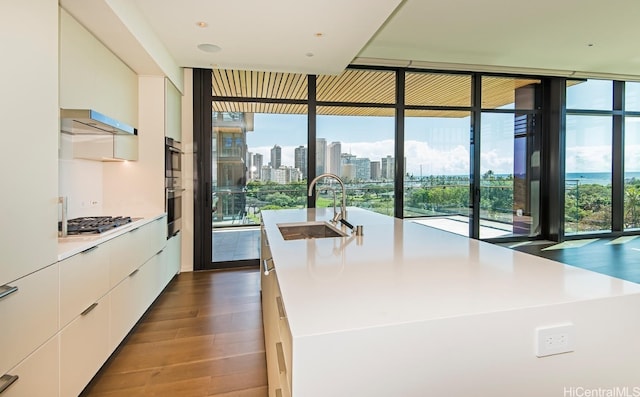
{"x":560,"y":36}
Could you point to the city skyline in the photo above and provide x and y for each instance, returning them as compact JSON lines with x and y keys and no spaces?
{"x":440,"y":146}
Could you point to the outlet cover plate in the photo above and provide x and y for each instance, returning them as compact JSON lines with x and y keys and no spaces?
{"x":556,"y":339}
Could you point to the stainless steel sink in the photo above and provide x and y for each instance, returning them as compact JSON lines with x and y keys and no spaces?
{"x":306,"y":230}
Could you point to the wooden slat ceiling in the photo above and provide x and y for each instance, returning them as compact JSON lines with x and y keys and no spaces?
{"x":359,"y":86}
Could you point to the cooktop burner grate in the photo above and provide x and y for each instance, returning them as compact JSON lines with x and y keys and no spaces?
{"x":94,"y":224}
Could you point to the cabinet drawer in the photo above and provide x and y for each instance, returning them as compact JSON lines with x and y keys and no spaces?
{"x":131,"y":250}
{"x":84,"y":278}
{"x":38,"y":374}
{"x":84,"y":348}
{"x":29,"y":315}
{"x":171,"y":263}
{"x":129,"y":300}
{"x":284,"y":333}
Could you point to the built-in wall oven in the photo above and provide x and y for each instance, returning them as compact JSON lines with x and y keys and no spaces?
{"x":173,"y":186}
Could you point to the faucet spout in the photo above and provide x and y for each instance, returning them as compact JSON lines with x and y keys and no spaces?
{"x":342,"y":215}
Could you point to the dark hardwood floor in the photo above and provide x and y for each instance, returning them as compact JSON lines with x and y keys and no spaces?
{"x":202,"y":337}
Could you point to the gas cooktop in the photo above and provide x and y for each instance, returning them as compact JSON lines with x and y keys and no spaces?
{"x":94,"y":224}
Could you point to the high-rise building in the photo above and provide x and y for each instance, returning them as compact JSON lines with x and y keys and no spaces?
{"x":363,"y":169}
{"x":265,"y":173}
{"x":300,"y":160}
{"x":334,"y":150}
{"x":388,"y":166}
{"x":229,"y":170}
{"x":276,"y":156}
{"x":249,"y":162}
{"x":284,"y":175}
{"x":375,"y":170}
{"x":348,"y":166}
{"x":257,"y":166}
{"x":321,"y":155}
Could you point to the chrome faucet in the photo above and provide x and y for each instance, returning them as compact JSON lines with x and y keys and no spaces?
{"x":337,"y":216}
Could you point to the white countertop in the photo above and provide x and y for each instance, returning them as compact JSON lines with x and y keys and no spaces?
{"x":400,"y":272}
{"x":71,"y":245}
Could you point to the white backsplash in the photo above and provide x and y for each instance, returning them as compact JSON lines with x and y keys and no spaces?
{"x":81,"y":181}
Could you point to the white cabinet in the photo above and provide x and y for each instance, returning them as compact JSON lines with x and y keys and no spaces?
{"x":30,"y":137}
{"x":277,"y":336}
{"x":92,"y":77}
{"x":171,"y":262}
{"x":132,"y":249}
{"x":278,"y":345}
{"x":84,"y":278}
{"x":104,"y":147}
{"x":173,"y":111}
{"x":61,"y":323}
{"x":29,"y":316}
{"x":84,"y":347}
{"x":37,"y":375}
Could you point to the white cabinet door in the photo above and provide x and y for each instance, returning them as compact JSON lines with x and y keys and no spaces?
{"x":84,"y":278}
{"x":105,"y":147}
{"x":173,"y":112}
{"x":134,"y":248}
{"x":28,"y":316}
{"x":30,"y":127}
{"x":130,"y":299}
{"x":84,"y":347}
{"x":171,"y":260}
{"x":38,"y":375}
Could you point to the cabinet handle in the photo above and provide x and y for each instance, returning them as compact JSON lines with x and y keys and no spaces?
{"x":282,"y":367}
{"x":133,"y":273}
{"x":280,"y":307}
{"x":264,"y":236}
{"x":6,"y":381}
{"x":133,"y":230}
{"x":6,"y":290}
{"x":95,"y":247}
{"x":89,"y":309}
{"x":267,"y":269}
{"x":159,"y":252}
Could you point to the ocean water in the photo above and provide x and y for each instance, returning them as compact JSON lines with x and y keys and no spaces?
{"x":597,"y":178}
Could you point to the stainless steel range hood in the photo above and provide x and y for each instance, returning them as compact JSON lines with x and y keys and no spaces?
{"x":90,"y":122}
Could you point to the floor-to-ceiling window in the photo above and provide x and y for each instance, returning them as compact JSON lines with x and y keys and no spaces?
{"x":355,"y":137}
{"x":509,"y":157}
{"x":632,"y":156}
{"x":467,"y":155}
{"x":588,"y":156}
{"x":437,"y":150}
{"x":258,"y":159}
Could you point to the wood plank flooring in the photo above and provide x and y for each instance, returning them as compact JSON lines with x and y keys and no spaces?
{"x":202,"y":337}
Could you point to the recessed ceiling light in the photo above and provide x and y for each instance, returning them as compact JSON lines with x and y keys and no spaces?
{"x":202,"y":24}
{"x":208,"y":47}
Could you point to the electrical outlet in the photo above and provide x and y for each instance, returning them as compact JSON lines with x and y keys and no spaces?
{"x":555,"y":340}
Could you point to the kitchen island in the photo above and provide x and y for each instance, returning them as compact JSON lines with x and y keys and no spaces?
{"x":408,"y":310}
